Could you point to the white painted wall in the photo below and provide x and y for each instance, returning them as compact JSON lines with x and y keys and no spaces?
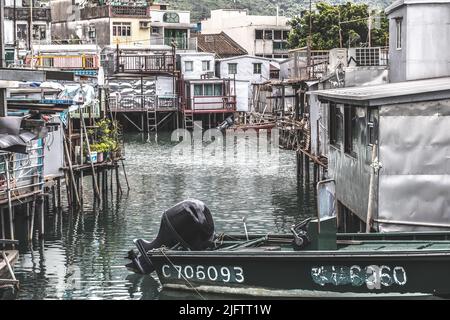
{"x":242,"y":95}
{"x":164,"y":86}
{"x":197,"y":58}
{"x":241,"y":28}
{"x":158,"y":15}
{"x":245,"y":69}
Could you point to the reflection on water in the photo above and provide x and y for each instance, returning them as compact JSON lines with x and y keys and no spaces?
{"x":83,"y":253}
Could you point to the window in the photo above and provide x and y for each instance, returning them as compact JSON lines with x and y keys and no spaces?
{"x":350,"y":130}
{"x":280,"y":45}
{"x":121,"y":29}
{"x":372,"y":135}
{"x":155,"y":30}
{"x":285,"y":35}
{"x":171,"y":17}
{"x":218,"y":92}
{"x":189,"y":66}
{"x":209,"y":89}
{"x":268,"y":34}
{"x":198,"y":90}
{"x":39,"y":32}
{"x":277,"y":34}
{"x":258,"y":34}
{"x":206,"y":65}
{"x":335,"y":125}
{"x":22,"y":32}
{"x":257,"y":68}
{"x":398,"y":29}
{"x":91,"y":32}
{"x":232,"y":68}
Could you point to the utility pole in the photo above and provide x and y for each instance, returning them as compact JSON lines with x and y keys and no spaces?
{"x":369,"y":24}
{"x":3,"y":107}
{"x":309,"y":38}
{"x":30,"y":25}
{"x":340,"y":29}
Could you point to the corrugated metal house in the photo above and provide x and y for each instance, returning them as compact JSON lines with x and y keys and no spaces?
{"x":392,"y":139}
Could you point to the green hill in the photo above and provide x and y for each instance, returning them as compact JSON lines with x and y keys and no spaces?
{"x":200,"y":8}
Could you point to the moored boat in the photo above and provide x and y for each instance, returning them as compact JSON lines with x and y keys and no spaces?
{"x":312,"y":262}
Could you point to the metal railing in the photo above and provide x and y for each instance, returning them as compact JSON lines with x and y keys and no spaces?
{"x":202,"y":103}
{"x":21,"y":174}
{"x":145,"y":63}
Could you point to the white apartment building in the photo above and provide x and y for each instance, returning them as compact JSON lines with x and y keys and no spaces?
{"x":262,"y":36}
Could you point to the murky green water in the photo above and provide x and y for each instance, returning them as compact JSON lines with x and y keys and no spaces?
{"x":83,"y":253}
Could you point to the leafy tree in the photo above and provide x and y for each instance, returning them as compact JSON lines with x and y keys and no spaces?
{"x":327,"y":20}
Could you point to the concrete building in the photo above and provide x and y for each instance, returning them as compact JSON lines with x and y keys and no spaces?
{"x":168,"y":26}
{"x":19,"y":33}
{"x":264,"y":36}
{"x":113,"y":23}
{"x":419,"y":39}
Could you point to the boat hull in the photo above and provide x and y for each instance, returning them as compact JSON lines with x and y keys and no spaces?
{"x":306,"y":274}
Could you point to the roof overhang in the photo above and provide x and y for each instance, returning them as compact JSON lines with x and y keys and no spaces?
{"x":401,"y":3}
{"x":391,"y":93}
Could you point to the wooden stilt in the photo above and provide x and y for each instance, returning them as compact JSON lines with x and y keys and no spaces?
{"x":69,"y":162}
{"x":58,"y":189}
{"x":33,"y":210}
{"x":119,"y":187}
{"x":2,"y":212}
{"x":42,"y":229}
{"x":125,"y":173}
{"x":96,"y":189}
{"x":10,"y":208}
{"x":54,"y":198}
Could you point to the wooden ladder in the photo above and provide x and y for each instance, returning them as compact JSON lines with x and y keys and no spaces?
{"x":152,"y":120}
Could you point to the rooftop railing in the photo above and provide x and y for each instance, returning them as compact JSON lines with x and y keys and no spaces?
{"x":145,"y":64}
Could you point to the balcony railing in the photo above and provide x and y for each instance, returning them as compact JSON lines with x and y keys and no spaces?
{"x":23,"y":173}
{"x":145,"y":63}
{"x":39,"y":14}
{"x":114,"y":11}
{"x":142,"y":103}
{"x":73,"y":62}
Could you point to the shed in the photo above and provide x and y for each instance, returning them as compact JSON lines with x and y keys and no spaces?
{"x":405,"y":126}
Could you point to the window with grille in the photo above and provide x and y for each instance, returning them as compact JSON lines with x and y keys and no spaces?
{"x":259,"y":34}
{"x":368,"y":56}
{"x":121,"y":29}
{"x":171,"y":17}
{"x":257,"y":68}
{"x":232,"y":68}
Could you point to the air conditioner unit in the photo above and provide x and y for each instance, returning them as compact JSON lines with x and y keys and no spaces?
{"x":144,"y":24}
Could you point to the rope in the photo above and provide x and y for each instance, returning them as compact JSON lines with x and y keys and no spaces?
{"x":184,"y":278}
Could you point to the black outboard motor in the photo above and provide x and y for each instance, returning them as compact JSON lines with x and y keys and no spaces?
{"x":189,"y":223}
{"x":226,"y":124}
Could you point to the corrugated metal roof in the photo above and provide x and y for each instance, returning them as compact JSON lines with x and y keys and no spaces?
{"x":401,"y":92}
{"x":221,"y":44}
